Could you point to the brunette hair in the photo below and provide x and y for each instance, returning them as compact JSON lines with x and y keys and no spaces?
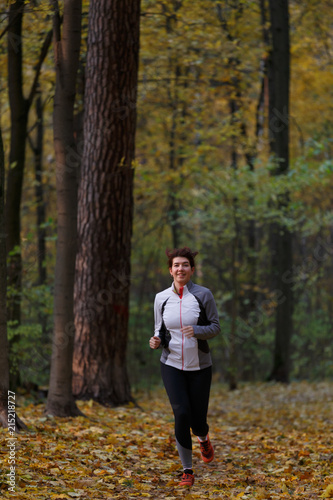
{"x":180,"y":252}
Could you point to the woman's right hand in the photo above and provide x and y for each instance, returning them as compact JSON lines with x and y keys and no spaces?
{"x":154,"y":342}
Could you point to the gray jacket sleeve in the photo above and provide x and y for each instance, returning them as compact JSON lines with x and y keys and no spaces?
{"x":212,"y":328}
{"x":157,"y":317}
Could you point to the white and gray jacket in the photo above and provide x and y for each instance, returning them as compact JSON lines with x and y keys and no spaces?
{"x":194,"y":307}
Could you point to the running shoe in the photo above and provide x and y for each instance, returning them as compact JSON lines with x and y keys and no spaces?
{"x":207,"y":450}
{"x":187,"y":479}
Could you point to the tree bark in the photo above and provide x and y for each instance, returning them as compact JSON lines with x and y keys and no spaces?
{"x":19,"y":110}
{"x":4,"y":362}
{"x":40,"y":206}
{"x":105,"y":205}
{"x":41,"y":233}
{"x":281,"y":238}
{"x":60,"y":400}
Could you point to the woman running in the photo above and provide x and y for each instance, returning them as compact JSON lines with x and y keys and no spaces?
{"x":185,"y":317}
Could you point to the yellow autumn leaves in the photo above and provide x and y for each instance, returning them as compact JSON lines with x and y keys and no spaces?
{"x":272,"y":442}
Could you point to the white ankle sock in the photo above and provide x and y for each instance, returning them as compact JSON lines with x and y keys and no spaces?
{"x":202,"y":438}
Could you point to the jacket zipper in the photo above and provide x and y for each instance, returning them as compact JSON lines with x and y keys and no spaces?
{"x":181,"y":289}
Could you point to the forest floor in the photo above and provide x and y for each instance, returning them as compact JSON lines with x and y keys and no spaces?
{"x":271,"y":442}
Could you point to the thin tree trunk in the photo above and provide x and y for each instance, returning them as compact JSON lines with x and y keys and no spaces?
{"x":67,"y":50}
{"x":19,"y":109}
{"x":37,"y":150}
{"x":39,"y":192}
{"x":259,"y":128}
{"x":260,"y":111}
{"x":4,"y":362}
{"x":106,"y":203}
{"x":250,"y":152}
{"x":279,"y":82}
{"x":281,"y":238}
{"x":173,"y":206}
{"x":233,"y":354}
{"x":41,"y":233}
{"x":282,"y":257}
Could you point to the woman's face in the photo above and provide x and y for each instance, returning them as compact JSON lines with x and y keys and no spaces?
{"x":181,"y":271}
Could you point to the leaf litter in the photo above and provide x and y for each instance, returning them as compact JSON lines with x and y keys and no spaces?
{"x":272,"y":441}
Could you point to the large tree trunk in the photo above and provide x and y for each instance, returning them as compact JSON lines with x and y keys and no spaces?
{"x":4,"y":363}
{"x":106,"y":203}
{"x":281,"y":238}
{"x":60,"y":400}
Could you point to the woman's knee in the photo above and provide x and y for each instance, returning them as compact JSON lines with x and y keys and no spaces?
{"x":182,"y":415}
{"x":200,"y":430}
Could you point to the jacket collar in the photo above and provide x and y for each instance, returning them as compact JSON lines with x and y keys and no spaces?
{"x":186,"y":288}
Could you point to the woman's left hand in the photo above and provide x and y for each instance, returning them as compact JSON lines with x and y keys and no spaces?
{"x":188,"y":331}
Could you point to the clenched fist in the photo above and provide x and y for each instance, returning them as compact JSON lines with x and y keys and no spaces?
{"x":154,"y":342}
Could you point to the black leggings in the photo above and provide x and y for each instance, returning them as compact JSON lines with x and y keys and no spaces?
{"x":188,"y":393}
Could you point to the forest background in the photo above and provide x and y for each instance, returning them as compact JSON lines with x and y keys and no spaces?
{"x":203,"y":177}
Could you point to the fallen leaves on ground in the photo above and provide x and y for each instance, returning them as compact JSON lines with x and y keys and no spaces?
{"x":271,"y":442}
